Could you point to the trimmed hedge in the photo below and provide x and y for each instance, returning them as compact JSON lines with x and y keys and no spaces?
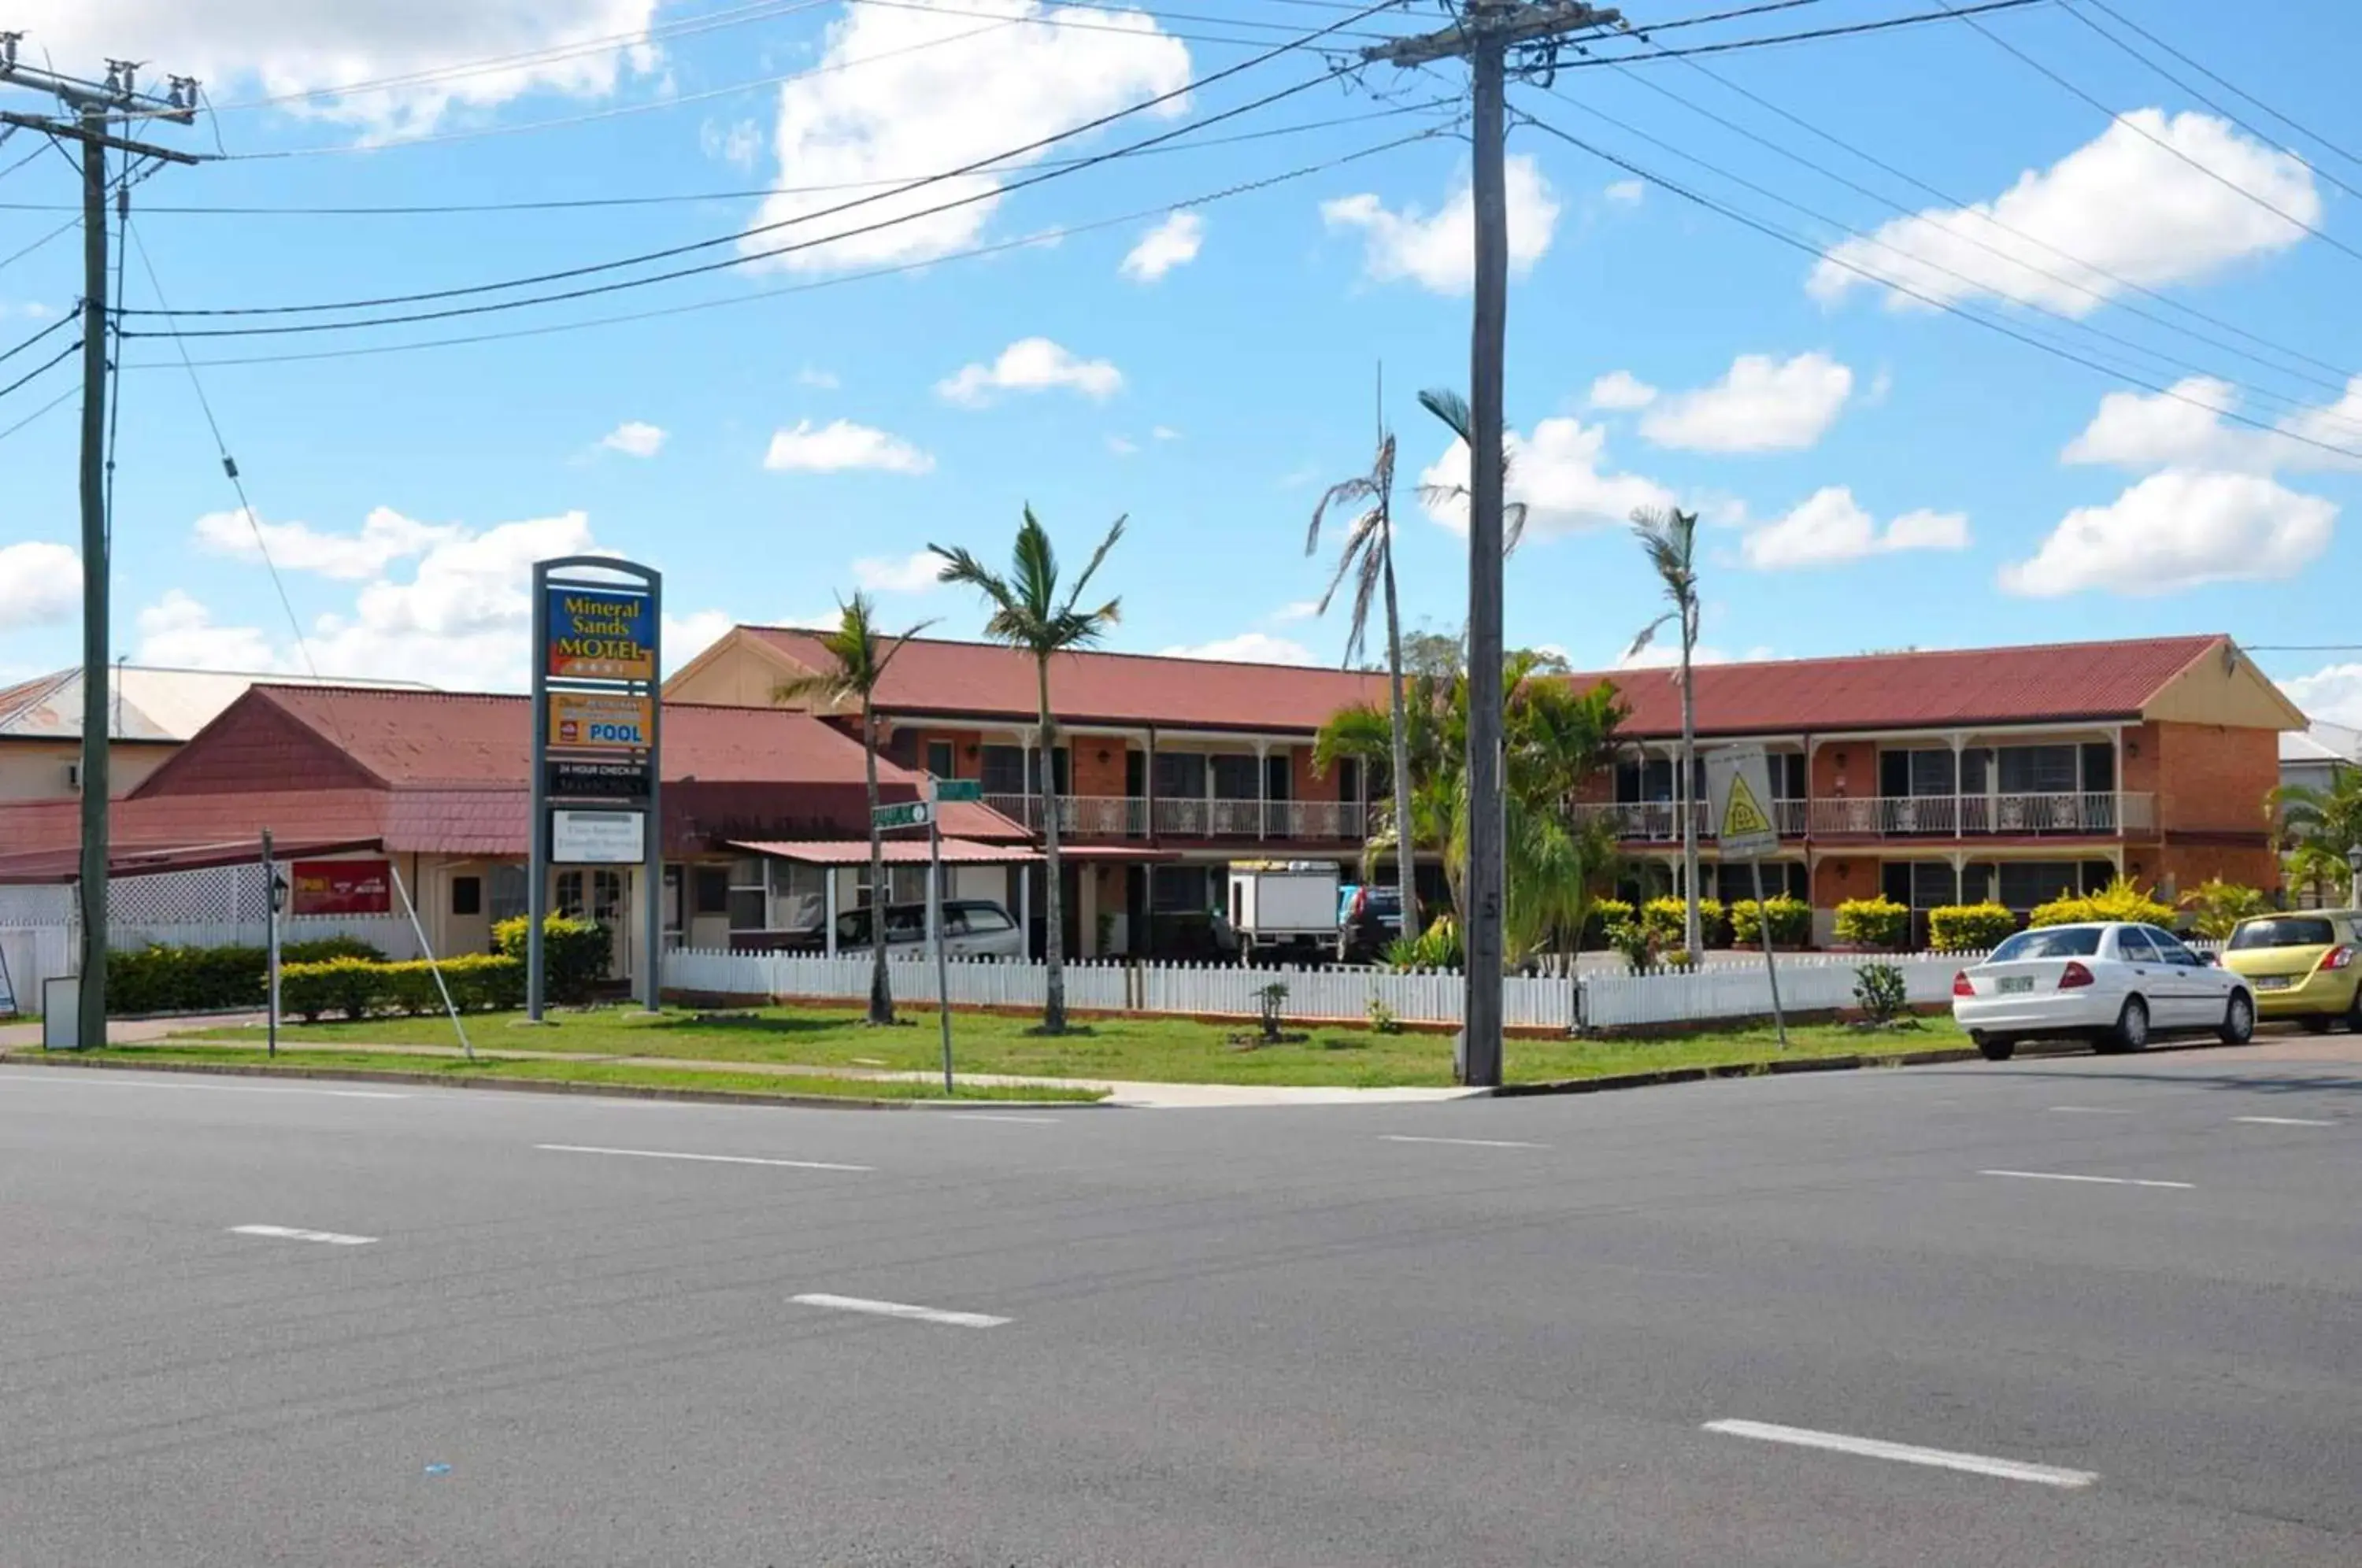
{"x":356,"y":988}
{"x":1663,"y":919}
{"x":210,"y":979}
{"x":2120,"y":900}
{"x":1873,"y":923}
{"x":1790,"y":919}
{"x":1969,"y":928}
{"x":574,"y":954}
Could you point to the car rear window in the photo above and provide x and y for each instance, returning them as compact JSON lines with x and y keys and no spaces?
{"x":2059,"y":942}
{"x":2287,"y":931}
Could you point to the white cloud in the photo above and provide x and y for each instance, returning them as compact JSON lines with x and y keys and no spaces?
{"x":1762,"y":405}
{"x":40,"y":584}
{"x":914,"y":573}
{"x":2119,"y":204}
{"x":810,"y":376}
{"x":1625,"y":193}
{"x":1438,"y":251}
{"x":1556,"y":472}
{"x":686,"y":636}
{"x":179,"y":632}
{"x":737,"y":143}
{"x":2333,"y":693}
{"x":2185,"y":429}
{"x":1031,"y":364}
{"x":255,"y":48}
{"x":1830,"y":526}
{"x":1165,"y":433}
{"x":634,"y":438}
{"x":841,"y":445}
{"x":1173,"y":243}
{"x":31,"y":310}
{"x":385,"y":537}
{"x":1662,"y":654}
{"x":1621,"y":389}
{"x":1247,"y":648}
{"x":912,"y":106}
{"x":1122,"y":446}
{"x":2175,"y":530}
{"x":1297,"y":610}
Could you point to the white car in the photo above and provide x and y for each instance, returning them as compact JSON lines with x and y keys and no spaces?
{"x":973,"y":928}
{"x":2117,"y":985}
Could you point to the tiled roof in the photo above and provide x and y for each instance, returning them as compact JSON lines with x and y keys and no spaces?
{"x":2058,"y":682}
{"x":988,"y":680}
{"x":2324,"y":742}
{"x":145,"y":702}
{"x":899,"y":852}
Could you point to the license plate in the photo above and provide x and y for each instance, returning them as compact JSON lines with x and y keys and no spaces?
{"x":2274,"y":982}
{"x":2012,"y":985}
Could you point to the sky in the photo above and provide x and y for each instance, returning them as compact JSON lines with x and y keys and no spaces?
{"x":1993,"y":331}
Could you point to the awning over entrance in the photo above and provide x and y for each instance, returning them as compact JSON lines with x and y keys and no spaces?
{"x":899,"y":852}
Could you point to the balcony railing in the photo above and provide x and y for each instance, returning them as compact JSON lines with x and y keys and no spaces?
{"x":1660,"y":821}
{"x":2103,"y":813}
{"x":1128,"y":816}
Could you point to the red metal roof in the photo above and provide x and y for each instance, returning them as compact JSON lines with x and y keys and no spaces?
{"x":2053,"y":683}
{"x":899,"y":852}
{"x":985,"y":680}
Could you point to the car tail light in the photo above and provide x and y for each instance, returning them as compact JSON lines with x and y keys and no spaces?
{"x":1962,"y":986}
{"x":2074,"y":977}
{"x":2338,"y":957}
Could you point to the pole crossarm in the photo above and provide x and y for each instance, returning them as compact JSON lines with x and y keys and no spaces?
{"x":1511,"y":25}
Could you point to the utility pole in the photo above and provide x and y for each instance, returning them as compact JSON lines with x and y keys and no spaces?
{"x":94,"y":106}
{"x":1486,"y":33}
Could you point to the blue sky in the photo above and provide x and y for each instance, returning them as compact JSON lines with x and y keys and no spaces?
{"x":1876,"y":473}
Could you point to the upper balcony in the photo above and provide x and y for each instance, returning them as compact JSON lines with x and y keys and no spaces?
{"x":1129,"y":816}
{"x":2080,"y":814}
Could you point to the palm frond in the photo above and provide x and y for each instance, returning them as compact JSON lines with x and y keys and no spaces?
{"x":1453,"y":409}
{"x":1091,"y":568}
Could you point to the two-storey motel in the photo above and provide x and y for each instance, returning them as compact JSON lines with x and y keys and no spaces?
{"x":1931,"y":778}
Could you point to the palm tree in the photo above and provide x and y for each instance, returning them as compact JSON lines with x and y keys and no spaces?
{"x":2321,"y":826}
{"x":1369,"y":559}
{"x":1027,"y":612}
{"x":860,"y":656}
{"x":1453,"y":409}
{"x":1668,"y":538}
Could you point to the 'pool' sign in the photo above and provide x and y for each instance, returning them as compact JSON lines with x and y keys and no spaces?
{"x":599,"y":720}
{"x":599,"y":633}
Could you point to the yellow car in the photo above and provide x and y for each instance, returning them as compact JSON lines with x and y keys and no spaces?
{"x":2305,"y":965}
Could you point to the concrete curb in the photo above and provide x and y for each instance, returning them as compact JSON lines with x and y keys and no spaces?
{"x":1736,"y":1070}
{"x":544,"y":1086}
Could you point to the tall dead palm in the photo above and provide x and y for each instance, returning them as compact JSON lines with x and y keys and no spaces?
{"x":1028,"y":613}
{"x":1368,"y":558}
{"x":1668,"y":538}
{"x":858,"y":657}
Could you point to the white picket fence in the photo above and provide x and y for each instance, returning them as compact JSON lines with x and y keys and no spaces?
{"x":35,"y":953}
{"x":1808,"y":983}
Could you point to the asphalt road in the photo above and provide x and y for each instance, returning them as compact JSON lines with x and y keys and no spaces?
{"x":1616,"y":1329}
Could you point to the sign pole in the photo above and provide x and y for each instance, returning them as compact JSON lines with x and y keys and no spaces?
{"x":935,"y":926}
{"x":1738,"y":782}
{"x":537,"y":895}
{"x":1771,"y":965}
{"x":270,"y":927}
{"x":652,"y":869}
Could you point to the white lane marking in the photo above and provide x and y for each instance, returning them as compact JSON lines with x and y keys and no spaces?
{"x":289,"y":1233}
{"x":902,"y":1309}
{"x":95,"y":1082}
{"x":2097,"y":1180}
{"x":709,"y":1159}
{"x":2089,"y":1109}
{"x":2283,"y":1122}
{"x":1872,"y":1448}
{"x":987,"y":1116}
{"x":1464,"y":1142}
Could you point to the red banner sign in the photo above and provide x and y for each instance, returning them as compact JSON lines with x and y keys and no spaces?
{"x":341,"y":887}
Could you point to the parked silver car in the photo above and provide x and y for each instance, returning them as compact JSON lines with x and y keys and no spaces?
{"x":973,"y":928}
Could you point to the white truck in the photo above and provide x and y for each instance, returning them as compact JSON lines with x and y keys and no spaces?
{"x":1285,"y":910}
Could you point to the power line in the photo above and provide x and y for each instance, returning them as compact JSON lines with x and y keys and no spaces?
{"x":1850,"y":29}
{"x":62,"y":321}
{"x":1021,"y":242}
{"x":743,"y":193}
{"x":72,"y":347}
{"x":15,"y":256}
{"x":45,"y":408}
{"x":1772,"y":231}
{"x":2119,"y":280}
{"x":2144,"y":134}
{"x":1974,"y":285}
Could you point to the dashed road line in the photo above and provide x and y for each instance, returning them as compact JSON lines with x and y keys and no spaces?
{"x":1906,"y":1454}
{"x":2095,"y":1180}
{"x":1463,"y":1143}
{"x":289,"y":1234}
{"x":704,"y":1159}
{"x":900,"y":1309}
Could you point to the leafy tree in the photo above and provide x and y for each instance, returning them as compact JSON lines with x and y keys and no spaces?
{"x":1668,"y":539}
{"x":1368,"y":558}
{"x":1029,"y":613}
{"x":857,"y":660}
{"x":2217,"y":907}
{"x":2320,"y":826}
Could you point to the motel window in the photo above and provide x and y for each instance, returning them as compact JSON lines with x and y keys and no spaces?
{"x":1180,"y":888}
{"x":1180,"y":776}
{"x":467,"y":895}
{"x":903,"y":749}
{"x":749,"y":903}
{"x":509,"y":893}
{"x":1349,"y":778}
{"x":1278,"y":773}
{"x":710,"y":889}
{"x":799,"y":895}
{"x":1004,"y":770}
{"x":1234,"y":778}
{"x":2026,"y":883}
{"x":939,"y":758}
{"x":2038,"y":770}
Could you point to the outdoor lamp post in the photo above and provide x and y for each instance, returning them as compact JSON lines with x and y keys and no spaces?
{"x":2354,"y":864}
{"x":278,"y":906}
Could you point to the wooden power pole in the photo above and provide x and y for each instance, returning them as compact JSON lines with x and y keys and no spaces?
{"x":1487,"y":33}
{"x":96,"y":107}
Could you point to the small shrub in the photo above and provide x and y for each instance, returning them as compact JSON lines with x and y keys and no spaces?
{"x":1382,"y":1019}
{"x":1879,"y":991}
{"x":1269,"y":1000}
{"x":320,"y":949}
{"x":1604,"y":916}
{"x":1631,"y":939}
{"x":2217,"y":907}
{"x":1665,"y":920}
{"x":356,"y":988}
{"x":1677,"y":958}
{"x":1437,"y":947}
{"x":575,"y":954}
{"x":1969,"y":928}
{"x":1791,"y":920}
{"x":185,"y":979}
{"x":1873,"y":923}
{"x":2120,"y":900}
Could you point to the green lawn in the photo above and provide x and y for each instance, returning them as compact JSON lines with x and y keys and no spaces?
{"x":620,"y":1074}
{"x":1157,"y":1050}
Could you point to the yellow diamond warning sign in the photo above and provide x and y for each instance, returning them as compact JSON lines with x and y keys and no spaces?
{"x":1738,"y":789}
